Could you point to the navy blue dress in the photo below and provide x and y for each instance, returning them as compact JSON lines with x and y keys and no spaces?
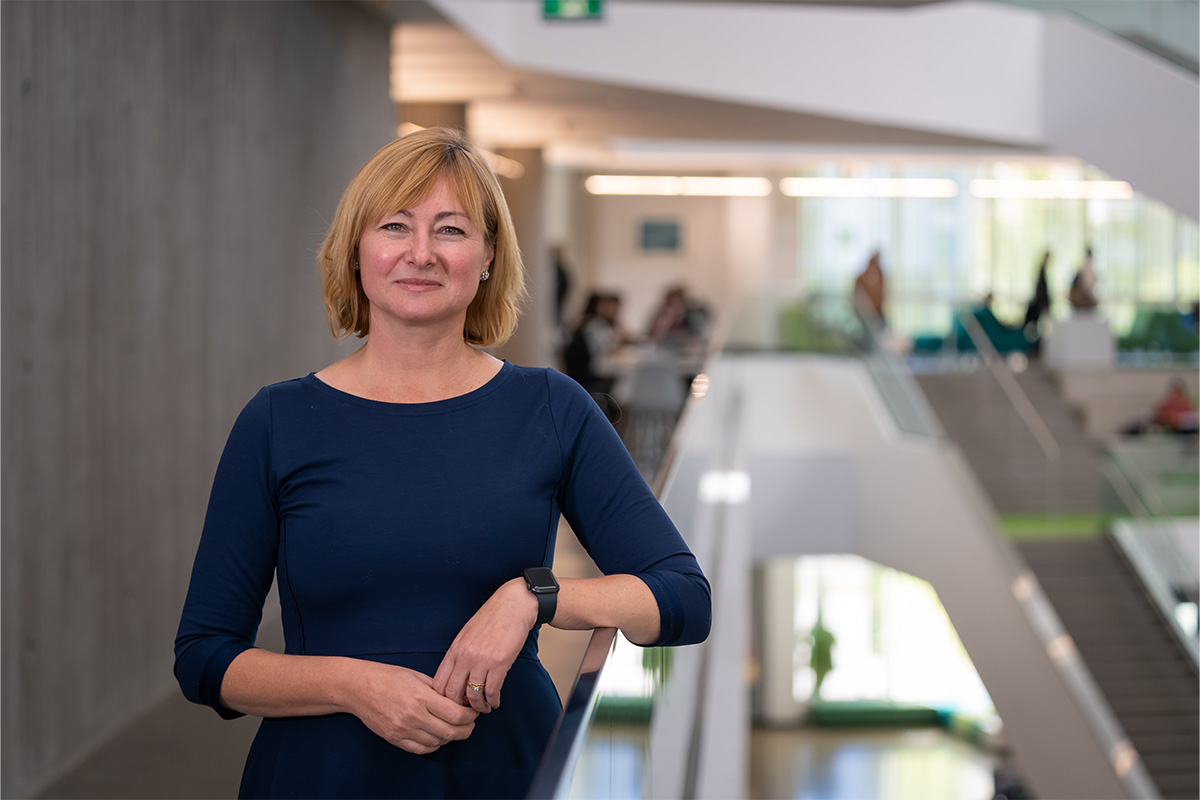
{"x":388,"y":525}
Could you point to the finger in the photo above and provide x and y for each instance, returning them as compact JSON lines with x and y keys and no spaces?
{"x":446,"y":732}
{"x":441,"y":678}
{"x":452,"y":711}
{"x":414,"y":746}
{"x":476,"y":692}
{"x":495,"y":683}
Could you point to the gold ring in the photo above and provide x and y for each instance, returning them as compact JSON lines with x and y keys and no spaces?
{"x":475,"y":687}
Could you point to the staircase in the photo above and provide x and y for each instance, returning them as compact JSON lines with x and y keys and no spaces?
{"x":1137,"y":664}
{"x":1003,"y":453}
{"x":1149,"y":682}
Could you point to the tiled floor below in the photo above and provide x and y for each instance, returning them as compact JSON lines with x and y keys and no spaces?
{"x":889,"y":764}
{"x":808,"y":764}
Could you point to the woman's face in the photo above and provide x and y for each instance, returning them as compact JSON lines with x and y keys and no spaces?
{"x":421,"y":266}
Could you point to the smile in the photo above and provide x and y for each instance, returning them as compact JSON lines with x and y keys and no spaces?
{"x":418,"y":283}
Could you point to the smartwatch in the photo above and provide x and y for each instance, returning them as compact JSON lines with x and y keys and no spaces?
{"x":544,"y":585}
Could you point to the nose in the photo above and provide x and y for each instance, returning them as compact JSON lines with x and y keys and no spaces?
{"x":420,"y":249}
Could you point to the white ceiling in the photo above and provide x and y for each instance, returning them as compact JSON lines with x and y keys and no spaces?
{"x":594,"y":125}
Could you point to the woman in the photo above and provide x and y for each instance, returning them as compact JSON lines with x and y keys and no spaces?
{"x":407,"y":499}
{"x":595,"y":340}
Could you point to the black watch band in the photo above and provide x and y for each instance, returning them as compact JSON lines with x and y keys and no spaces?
{"x":544,"y":585}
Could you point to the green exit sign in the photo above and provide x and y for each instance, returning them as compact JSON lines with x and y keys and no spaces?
{"x":573,"y":9}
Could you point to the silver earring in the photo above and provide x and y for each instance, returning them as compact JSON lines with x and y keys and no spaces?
{"x":356,"y":266}
{"x":483,"y":276}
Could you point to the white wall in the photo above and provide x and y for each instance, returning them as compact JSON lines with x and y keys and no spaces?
{"x":726,"y":251}
{"x":974,"y":66}
{"x":1112,"y":105}
{"x":996,"y":73}
{"x":619,"y":263}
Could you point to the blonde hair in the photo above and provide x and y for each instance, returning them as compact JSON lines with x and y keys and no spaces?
{"x":401,"y":175}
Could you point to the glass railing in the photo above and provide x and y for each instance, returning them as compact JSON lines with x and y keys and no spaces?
{"x":604,"y":745}
{"x":1154,"y":505}
{"x":833,"y":325}
{"x":1166,"y":28}
{"x":639,"y":722}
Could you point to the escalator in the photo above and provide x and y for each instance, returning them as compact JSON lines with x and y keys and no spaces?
{"x":1128,"y":647}
{"x":1135,"y":659}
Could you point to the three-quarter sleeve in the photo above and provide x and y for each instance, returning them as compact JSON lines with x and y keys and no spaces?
{"x":619,"y":521}
{"x":235,"y":561}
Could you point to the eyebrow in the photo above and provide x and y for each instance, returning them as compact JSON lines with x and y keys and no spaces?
{"x":440,"y":215}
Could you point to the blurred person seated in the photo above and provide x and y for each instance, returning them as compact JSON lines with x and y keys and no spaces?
{"x":1082,"y":295}
{"x":681,"y":322}
{"x":1175,"y":412}
{"x":595,"y":339}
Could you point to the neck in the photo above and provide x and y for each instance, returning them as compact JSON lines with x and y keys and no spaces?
{"x":418,"y":351}
{"x":412,"y":366}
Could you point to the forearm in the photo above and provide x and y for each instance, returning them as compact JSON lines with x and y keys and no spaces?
{"x":267,"y":684}
{"x":613,"y":601}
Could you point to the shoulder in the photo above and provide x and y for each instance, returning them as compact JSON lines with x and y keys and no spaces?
{"x":565,"y":398}
{"x":557,"y":386}
{"x":273,"y":399}
{"x":280,"y":395}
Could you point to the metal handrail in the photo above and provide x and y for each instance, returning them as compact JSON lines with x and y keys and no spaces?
{"x":1145,"y":563}
{"x":1012,"y":390}
{"x":917,"y":406}
{"x":566,"y":740}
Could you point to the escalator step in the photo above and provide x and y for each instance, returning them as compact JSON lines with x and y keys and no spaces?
{"x":1135,"y":725}
{"x":1147,"y":670}
{"x":1166,"y":687}
{"x":1168,"y":743}
{"x":1166,"y":704}
{"x":1178,"y":785}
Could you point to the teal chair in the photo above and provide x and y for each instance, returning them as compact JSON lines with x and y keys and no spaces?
{"x":1162,"y":330}
{"x":1003,"y":338}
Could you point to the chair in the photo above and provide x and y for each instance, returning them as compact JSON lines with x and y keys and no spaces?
{"x":651,"y":398}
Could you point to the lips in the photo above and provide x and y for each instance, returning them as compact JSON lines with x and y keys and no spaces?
{"x":418,"y":283}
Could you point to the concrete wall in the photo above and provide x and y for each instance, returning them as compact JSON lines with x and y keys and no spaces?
{"x":168,"y":172}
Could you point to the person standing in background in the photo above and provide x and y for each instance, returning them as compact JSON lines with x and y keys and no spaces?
{"x":1039,"y":305}
{"x":870,"y":291}
{"x":1082,"y":295}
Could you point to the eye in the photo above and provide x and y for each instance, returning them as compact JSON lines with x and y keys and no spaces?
{"x":453,"y":230}
{"x":392,"y":226}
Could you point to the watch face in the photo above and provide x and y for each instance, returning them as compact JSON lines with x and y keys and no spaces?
{"x":541,"y":580}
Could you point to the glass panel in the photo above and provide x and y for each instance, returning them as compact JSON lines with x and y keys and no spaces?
{"x":887,"y":630}
{"x":940,"y":254}
{"x":1167,"y":28}
{"x":1155,"y":506}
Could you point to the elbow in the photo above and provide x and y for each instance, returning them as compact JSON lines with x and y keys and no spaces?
{"x":187,"y":675}
{"x":200,"y":670}
{"x":685,"y":608}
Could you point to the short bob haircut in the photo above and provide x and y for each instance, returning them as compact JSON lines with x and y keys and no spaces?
{"x":401,"y":175}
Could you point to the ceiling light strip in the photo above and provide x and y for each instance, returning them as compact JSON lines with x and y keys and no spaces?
{"x":677,"y":186}
{"x":1051,"y":190}
{"x":869,"y":187}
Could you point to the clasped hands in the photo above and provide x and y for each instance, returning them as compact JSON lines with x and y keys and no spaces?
{"x":421,"y":714}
